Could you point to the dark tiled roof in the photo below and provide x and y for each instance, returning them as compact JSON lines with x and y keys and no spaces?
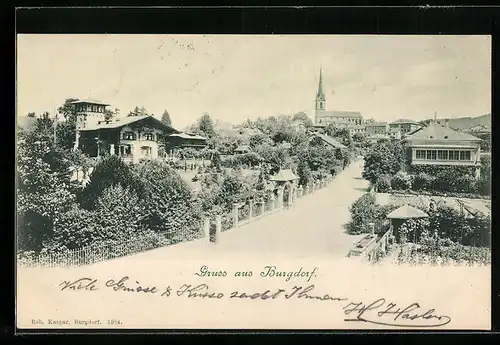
{"x":330,"y":141}
{"x":117,"y":123}
{"x":336,"y":113}
{"x":439,"y":132}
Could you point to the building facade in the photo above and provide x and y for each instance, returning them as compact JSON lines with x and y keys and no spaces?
{"x":132,"y":138}
{"x":374,"y":128}
{"x":404,"y":126}
{"x":440,"y":145}
{"x":348,"y":119}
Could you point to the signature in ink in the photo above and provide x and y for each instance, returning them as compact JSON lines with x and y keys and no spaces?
{"x":79,"y":284}
{"x":389,"y":314}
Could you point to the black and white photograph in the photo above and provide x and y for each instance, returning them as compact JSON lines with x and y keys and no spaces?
{"x":253,"y":181}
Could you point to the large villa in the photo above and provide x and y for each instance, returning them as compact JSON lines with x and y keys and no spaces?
{"x":133,"y":138}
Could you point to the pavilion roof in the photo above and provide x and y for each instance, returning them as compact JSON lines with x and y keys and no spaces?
{"x":407,"y":212}
{"x":284,"y":175}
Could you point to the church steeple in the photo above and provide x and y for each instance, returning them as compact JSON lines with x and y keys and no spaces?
{"x":320,"y":96}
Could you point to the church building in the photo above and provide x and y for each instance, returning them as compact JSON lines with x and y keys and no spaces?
{"x":352,"y":120}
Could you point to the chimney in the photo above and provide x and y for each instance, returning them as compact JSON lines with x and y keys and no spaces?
{"x":435,"y":116}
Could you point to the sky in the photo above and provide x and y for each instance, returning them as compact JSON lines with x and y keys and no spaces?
{"x":235,"y":77}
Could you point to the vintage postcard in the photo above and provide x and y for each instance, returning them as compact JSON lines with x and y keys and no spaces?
{"x":316,"y":182}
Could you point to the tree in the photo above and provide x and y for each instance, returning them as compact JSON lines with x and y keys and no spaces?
{"x":109,"y":114}
{"x":303,"y":119}
{"x":43,"y":186}
{"x":383,"y":158}
{"x":68,"y":110}
{"x":138,"y":112}
{"x":109,"y":172}
{"x":31,"y":115}
{"x":165,"y":118}
{"x":206,"y":126}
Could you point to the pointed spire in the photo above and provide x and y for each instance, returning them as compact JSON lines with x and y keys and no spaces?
{"x":321,"y":93}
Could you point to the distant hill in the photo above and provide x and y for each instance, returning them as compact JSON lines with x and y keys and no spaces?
{"x":468,"y":123}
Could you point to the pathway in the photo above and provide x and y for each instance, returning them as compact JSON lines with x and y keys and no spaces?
{"x":314,"y":226}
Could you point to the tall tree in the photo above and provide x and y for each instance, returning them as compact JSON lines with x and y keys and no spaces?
{"x":138,"y":111}
{"x":31,"y":114}
{"x":68,"y":110}
{"x":206,"y":125}
{"x":165,"y":118}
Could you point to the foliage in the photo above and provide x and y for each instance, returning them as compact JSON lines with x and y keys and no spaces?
{"x":111,"y":170}
{"x":248,"y":159}
{"x":363,"y":211}
{"x":138,"y":111}
{"x":167,"y":198}
{"x":383,"y":158}
{"x":304,"y":173}
{"x":68,"y":110}
{"x":384,"y":183}
{"x":44,"y":188}
{"x":401,"y":180}
{"x":422,"y":181}
{"x":303,"y":119}
{"x":165,"y":118}
{"x":206,"y":126}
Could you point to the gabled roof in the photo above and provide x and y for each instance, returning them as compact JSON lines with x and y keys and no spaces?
{"x":90,"y":101}
{"x":404,"y":121}
{"x":330,"y":141}
{"x":117,"y":123}
{"x":407,"y":212}
{"x":187,"y":136}
{"x":336,"y":113}
{"x":438,"y":132}
{"x":284,"y":175}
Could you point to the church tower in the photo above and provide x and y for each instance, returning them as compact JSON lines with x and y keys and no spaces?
{"x":320,"y":96}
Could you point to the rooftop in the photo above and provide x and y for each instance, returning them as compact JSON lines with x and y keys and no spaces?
{"x":184,"y":135}
{"x":407,"y":212}
{"x":438,"y":132}
{"x":404,"y":121}
{"x":120,"y":122}
{"x":331,"y":141}
{"x":284,"y":175}
{"x":90,"y":101}
{"x":375,"y":124}
{"x":335,"y":113}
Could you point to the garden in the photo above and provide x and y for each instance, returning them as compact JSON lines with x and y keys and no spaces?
{"x":127,"y":203}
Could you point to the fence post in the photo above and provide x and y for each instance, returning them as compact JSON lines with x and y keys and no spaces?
{"x":300,"y":192}
{"x":206,"y":227}
{"x":306,"y":189}
{"x":262,"y":207}
{"x":218,"y":227}
{"x":235,"y":215}
{"x":250,"y":209}
{"x":280,"y":197}
{"x":272,"y":201}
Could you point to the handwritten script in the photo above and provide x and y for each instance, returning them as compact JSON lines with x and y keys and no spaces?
{"x":379,"y":312}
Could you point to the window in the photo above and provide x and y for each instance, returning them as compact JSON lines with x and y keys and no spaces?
{"x":129,"y":136}
{"x":429,"y":153}
{"x":125,"y":150}
{"x":146,"y":151}
{"x":465,"y":155}
{"x":453,"y":155}
{"x":420,"y":154}
{"x":148,"y":136}
{"x":442,"y":155}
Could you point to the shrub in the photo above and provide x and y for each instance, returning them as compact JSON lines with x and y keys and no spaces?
{"x":384,"y":183}
{"x":110,"y":171}
{"x":363,"y":211}
{"x":422,"y":181}
{"x":168,"y":199}
{"x":401,"y":181}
